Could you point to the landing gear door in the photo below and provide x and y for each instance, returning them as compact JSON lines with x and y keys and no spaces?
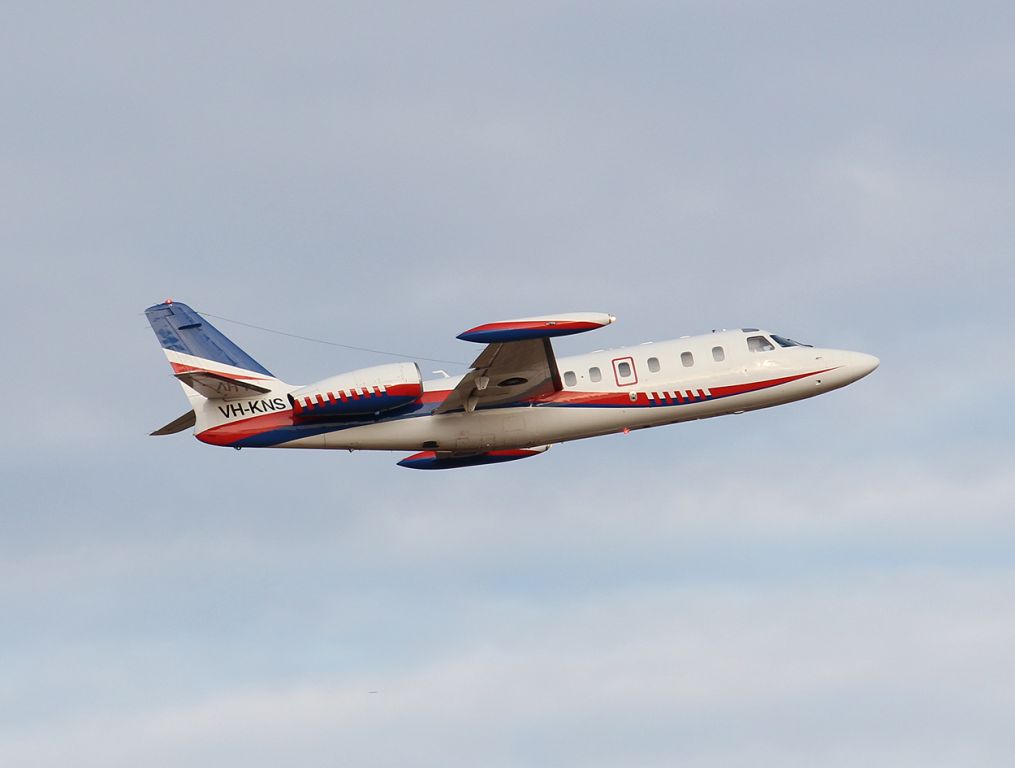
{"x":624,"y":371}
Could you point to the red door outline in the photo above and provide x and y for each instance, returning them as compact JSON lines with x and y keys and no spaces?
{"x":616,"y":374}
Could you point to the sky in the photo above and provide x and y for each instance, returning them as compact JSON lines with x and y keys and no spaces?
{"x":830,"y":582}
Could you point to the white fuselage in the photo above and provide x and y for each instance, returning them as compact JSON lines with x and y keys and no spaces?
{"x":609,"y":391}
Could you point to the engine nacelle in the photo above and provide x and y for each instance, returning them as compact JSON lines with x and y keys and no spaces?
{"x":360,"y":393}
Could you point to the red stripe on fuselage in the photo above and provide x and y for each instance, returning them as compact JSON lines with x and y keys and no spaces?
{"x":739,"y":389}
{"x":436,"y":395}
{"x":622,"y":398}
{"x":234,"y":431}
{"x":404,"y":390}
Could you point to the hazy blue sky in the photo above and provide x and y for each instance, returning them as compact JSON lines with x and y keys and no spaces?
{"x":828,"y":583}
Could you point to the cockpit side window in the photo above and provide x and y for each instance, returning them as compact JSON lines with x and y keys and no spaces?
{"x":759,"y":344}
{"x":782,"y":341}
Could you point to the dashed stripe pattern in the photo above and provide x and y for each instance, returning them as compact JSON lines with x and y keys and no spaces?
{"x":679,"y":396}
{"x":310,"y":402}
{"x":355,"y":400}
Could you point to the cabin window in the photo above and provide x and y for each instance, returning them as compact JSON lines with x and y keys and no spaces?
{"x":653,"y":364}
{"x":687,"y":359}
{"x":595,"y":374}
{"x":759,"y":344}
{"x":570,"y":379}
{"x":624,"y":369}
{"x":718,"y":354}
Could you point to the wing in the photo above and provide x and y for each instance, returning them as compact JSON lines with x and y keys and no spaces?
{"x":518,"y":363}
{"x":504,"y":373}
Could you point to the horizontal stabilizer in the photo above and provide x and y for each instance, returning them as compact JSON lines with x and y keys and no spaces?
{"x":449,"y":460}
{"x":216,"y":386}
{"x":537,"y":327}
{"x":186,"y":421}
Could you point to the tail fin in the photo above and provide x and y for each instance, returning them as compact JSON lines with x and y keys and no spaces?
{"x":202,"y":357}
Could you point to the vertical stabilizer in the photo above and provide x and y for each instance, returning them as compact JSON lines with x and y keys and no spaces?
{"x":181,"y":330}
{"x":203,"y":359}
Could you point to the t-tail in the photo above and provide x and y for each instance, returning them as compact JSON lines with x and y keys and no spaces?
{"x":207,"y":364}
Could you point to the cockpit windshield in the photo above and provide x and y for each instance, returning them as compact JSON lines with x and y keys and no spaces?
{"x":782,"y":341}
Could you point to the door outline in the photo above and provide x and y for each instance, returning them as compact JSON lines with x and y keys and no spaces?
{"x":616,"y":373}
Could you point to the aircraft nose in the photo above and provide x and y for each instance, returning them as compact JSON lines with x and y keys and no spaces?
{"x":861,"y":364}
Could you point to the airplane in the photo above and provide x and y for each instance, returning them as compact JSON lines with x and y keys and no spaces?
{"x":517,"y":399}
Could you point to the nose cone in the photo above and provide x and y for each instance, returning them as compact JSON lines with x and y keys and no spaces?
{"x":858,"y":365}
